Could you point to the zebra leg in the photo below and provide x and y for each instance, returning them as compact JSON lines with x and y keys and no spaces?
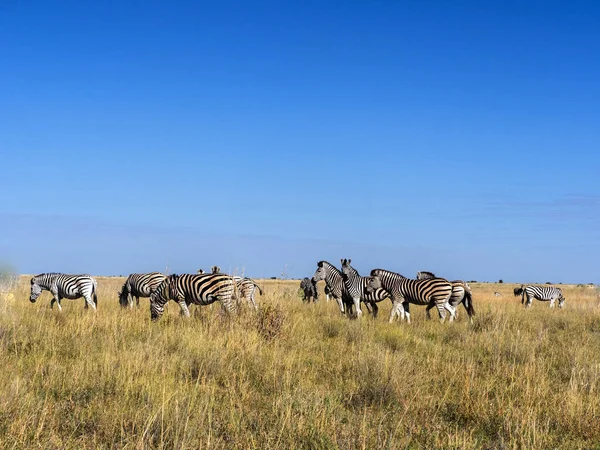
{"x":430,"y":305}
{"x":90,"y":302}
{"x":441,"y":310}
{"x":357,"y":309}
{"x":406,"y":311}
{"x":184,"y":309}
{"x":137,"y":301}
{"x":397,"y":310}
{"x":451,"y":310}
{"x":528,"y":302}
{"x":58,"y":303}
{"x":375,"y":309}
{"x":130,"y":300}
{"x":551,"y":303}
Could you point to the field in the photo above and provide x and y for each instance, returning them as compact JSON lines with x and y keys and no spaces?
{"x":298,"y":375}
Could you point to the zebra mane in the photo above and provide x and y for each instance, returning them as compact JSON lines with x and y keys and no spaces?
{"x":425,"y":274}
{"x":329,"y":266}
{"x":377,"y":272}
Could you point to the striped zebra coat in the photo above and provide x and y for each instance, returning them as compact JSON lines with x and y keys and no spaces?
{"x":199,"y":289}
{"x":419,"y":292}
{"x":334,"y":284}
{"x":309,"y":290}
{"x":356,"y":286}
{"x":65,"y":286}
{"x":541,"y":293}
{"x":139,"y":285}
{"x":246,"y":287}
{"x":461,"y":293}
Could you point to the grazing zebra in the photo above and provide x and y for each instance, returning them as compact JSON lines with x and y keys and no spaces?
{"x":309,"y":290}
{"x":356,"y":286}
{"x":246,"y":287}
{"x":139,"y":285}
{"x":334,"y":283}
{"x":65,"y":286}
{"x":542,"y":293}
{"x":461,"y":293}
{"x":419,"y":292}
{"x":200,"y":289}
{"x":497,"y":294}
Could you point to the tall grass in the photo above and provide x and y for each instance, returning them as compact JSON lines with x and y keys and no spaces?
{"x":298,"y":375}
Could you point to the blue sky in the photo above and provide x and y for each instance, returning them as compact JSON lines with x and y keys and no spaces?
{"x":458,"y":137}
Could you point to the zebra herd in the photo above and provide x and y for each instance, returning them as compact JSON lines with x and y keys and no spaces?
{"x":348,"y":288}
{"x":200,"y":289}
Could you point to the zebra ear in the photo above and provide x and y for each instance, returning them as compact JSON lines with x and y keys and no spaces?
{"x":320,"y":264}
{"x":342,"y":261}
{"x":349,"y":261}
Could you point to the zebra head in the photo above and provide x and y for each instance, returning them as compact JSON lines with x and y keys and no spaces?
{"x":161,"y":296}
{"x":320,"y":273}
{"x":561,"y":301}
{"x":36,"y":290}
{"x":373,"y":281}
{"x":347,"y":269}
{"x":123,"y":300}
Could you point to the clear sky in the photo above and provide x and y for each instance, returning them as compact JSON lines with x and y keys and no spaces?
{"x":461,"y":137}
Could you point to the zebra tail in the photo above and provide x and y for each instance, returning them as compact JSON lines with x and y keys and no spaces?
{"x":259,"y":289}
{"x":95,"y":296}
{"x":468,"y":299}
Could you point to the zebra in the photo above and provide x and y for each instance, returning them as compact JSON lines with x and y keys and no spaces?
{"x":356,"y":287}
{"x":419,"y":292}
{"x":65,"y":286}
{"x":334,"y":283}
{"x":245,"y":286}
{"x":139,"y":285}
{"x":309,"y":290}
{"x":497,"y":294}
{"x":200,"y":289}
{"x":542,"y":293}
{"x":461,"y":293}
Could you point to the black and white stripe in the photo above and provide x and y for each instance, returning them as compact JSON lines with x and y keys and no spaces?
{"x":200,"y":289}
{"x":65,"y":286}
{"x":461,"y":293}
{"x":356,"y":286}
{"x":246,"y":288}
{"x":139,"y":285}
{"x":309,"y":290}
{"x":419,"y":292}
{"x":334,"y":283}
{"x":541,"y":293}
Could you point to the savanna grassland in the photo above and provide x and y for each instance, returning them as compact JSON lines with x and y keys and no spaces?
{"x":298,"y":375}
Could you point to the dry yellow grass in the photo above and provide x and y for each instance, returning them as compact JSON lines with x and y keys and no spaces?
{"x":298,"y":375}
